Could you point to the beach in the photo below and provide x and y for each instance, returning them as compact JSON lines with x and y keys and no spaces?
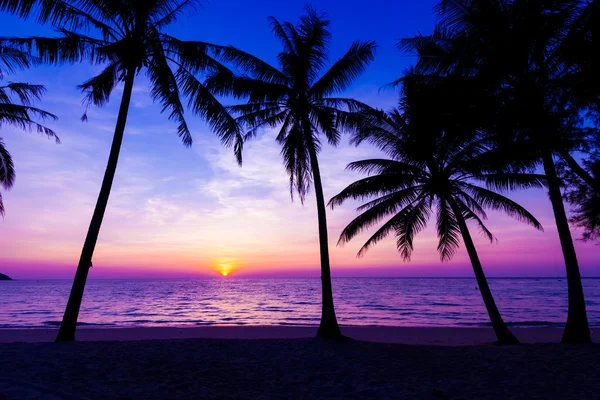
{"x":438,"y":336}
{"x":286,"y":362}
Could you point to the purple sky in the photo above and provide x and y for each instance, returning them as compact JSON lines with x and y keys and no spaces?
{"x":178,"y":212}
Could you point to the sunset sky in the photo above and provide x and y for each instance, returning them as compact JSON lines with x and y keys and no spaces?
{"x":177,"y":211}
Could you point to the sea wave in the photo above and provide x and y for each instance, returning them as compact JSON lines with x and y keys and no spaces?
{"x":364,"y":302}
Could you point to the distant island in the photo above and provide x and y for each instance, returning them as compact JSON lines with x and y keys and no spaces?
{"x":5,"y":277}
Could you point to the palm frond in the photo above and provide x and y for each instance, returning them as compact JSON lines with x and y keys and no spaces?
{"x":7,"y":168}
{"x":81,"y":16}
{"x":259,"y":119}
{"x":346,"y":70}
{"x":26,"y":93}
{"x":378,"y":210}
{"x":374,"y":186}
{"x":469,"y":203}
{"x":413,"y":221}
{"x":383,"y":166}
{"x":482,"y":228}
{"x":281,"y":32}
{"x":98,"y":89}
{"x":12,"y":60}
{"x":195,"y":56}
{"x":448,"y":231}
{"x":7,"y":173}
{"x":170,"y":11}
{"x":252,"y":65}
{"x":69,"y":49}
{"x":312,"y":41}
{"x":380,"y":234}
{"x":496,"y":201}
{"x":383,"y":130}
{"x":263,"y":116}
{"x":202,"y":102}
{"x":166,"y":92}
{"x":285,"y":127}
{"x":418,"y":190}
{"x":226,"y":83}
{"x":21,"y":117}
{"x":325,"y":121}
{"x":2,"y":209}
{"x":296,"y":159}
{"x":351,"y":105}
{"x":512,"y":181}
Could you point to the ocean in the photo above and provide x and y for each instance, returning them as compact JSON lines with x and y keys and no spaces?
{"x":358,"y":301}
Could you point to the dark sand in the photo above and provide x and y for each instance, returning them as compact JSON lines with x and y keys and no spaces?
{"x":295,"y":369}
{"x":443,"y":336}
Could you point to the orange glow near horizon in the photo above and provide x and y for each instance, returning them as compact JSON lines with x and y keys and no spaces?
{"x":225,"y":266}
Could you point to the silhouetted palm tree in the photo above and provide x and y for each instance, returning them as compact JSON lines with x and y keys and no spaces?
{"x":20,"y":114}
{"x":126,"y":37}
{"x":432,"y":169}
{"x":298,"y":98}
{"x":515,"y":49}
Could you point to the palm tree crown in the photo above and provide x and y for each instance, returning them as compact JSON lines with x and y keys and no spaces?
{"x":298,"y":96}
{"x":430,"y":168}
{"x":16,"y":109}
{"x":129,"y":36}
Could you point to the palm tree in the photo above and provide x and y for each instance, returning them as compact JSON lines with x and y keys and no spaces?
{"x":126,"y":38}
{"x":515,"y":48}
{"x":433,"y":166}
{"x":20,"y":114}
{"x":298,"y":99}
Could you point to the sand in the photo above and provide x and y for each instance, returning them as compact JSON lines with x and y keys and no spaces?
{"x":287,"y":368}
{"x":443,"y":336}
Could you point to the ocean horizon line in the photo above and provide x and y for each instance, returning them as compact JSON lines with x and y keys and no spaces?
{"x":195,"y":277}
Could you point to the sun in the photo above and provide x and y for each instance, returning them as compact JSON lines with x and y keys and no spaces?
{"x":224,"y":269}
{"x":225,"y":266}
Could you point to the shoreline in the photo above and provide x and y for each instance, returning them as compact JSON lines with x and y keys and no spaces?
{"x":437,"y":336}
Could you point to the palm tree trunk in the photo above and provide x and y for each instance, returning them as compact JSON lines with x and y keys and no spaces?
{"x":69,"y":322}
{"x":328,"y":328}
{"x":503,"y":334}
{"x":577,"y":329}
{"x":580,"y":172}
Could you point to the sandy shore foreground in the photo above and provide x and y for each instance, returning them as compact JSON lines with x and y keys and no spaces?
{"x":284,"y":363}
{"x":295,"y":369}
{"x":383,"y":334}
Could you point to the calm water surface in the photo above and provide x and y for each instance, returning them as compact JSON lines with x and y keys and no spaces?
{"x":359,"y":301}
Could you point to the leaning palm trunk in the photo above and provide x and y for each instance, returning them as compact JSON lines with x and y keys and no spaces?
{"x":69,"y":322}
{"x":503,"y":334}
{"x":577,"y":329}
{"x":328,"y":328}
